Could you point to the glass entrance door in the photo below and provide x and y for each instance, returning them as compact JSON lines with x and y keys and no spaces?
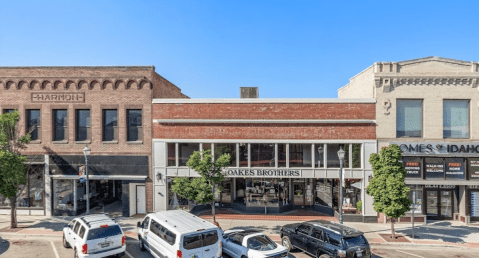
{"x":439,"y":204}
{"x":432,"y":204}
{"x":298,"y":192}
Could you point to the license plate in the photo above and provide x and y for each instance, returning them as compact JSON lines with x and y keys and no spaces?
{"x":105,"y":245}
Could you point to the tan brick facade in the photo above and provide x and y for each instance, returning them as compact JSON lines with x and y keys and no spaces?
{"x":98,"y":88}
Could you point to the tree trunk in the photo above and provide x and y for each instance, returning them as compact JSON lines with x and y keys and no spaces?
{"x":392,"y":229}
{"x":13,"y":212}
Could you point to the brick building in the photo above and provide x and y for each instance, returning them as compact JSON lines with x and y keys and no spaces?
{"x":66,"y":108}
{"x":428,"y":106}
{"x":284,"y":151}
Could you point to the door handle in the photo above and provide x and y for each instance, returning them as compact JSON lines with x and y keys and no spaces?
{"x":207,"y":250}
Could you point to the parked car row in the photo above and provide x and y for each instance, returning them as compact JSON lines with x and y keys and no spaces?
{"x":178,"y":234}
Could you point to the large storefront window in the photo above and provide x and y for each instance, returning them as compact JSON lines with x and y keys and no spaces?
{"x":352,"y":196}
{"x":230,"y":148}
{"x":262,"y":155}
{"x":225,"y":196}
{"x":185,"y":150}
{"x":175,"y":201}
{"x":324,"y":192}
{"x":300,"y":155}
{"x":269,"y":192}
{"x":416,"y":195}
{"x":63,"y":201}
{"x":32,"y":194}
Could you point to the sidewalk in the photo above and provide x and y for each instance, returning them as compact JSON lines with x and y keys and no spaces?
{"x":440,"y":233}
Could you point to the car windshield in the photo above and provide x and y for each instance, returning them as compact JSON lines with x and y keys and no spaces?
{"x":261,"y":243}
{"x":104,"y":232}
{"x":355,"y":241}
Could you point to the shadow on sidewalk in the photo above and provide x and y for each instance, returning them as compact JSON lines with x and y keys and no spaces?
{"x":4,"y":245}
{"x":441,"y":230}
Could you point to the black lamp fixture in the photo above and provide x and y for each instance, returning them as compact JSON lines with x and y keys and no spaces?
{"x":158,"y":176}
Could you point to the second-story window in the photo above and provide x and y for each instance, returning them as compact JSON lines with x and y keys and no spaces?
{"x":456,"y":118}
{"x":8,"y":111}
{"x":82,"y":125}
{"x":33,"y":123}
{"x":110,"y":125}
{"x":409,"y":118}
{"x":134,"y":127}
{"x":60,"y":124}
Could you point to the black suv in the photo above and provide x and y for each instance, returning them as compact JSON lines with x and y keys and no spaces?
{"x":325,"y":239}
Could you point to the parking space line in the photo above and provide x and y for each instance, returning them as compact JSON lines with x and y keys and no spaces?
{"x":411,"y":254}
{"x":128,"y":254}
{"x":55,"y":250}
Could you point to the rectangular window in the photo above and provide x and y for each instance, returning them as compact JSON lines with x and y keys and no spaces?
{"x":60,"y":124}
{"x":185,"y":150}
{"x":262,"y":155}
{"x":456,"y":119}
{"x":300,"y":155}
{"x":243,"y":154}
{"x":171,"y":155}
{"x":33,"y":123}
{"x":409,"y":118}
{"x":134,"y":128}
{"x":415,"y":195}
{"x":319,"y":156}
{"x":82,"y":125}
{"x":282,"y":155}
{"x":333,"y":158}
{"x":8,"y":111}
{"x":230,"y":148}
{"x":110,"y":125}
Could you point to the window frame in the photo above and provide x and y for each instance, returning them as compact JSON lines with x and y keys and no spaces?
{"x":139,"y":128}
{"x":468,"y":119}
{"x":54,"y":126}
{"x":422,"y":118}
{"x":103,"y":120}
{"x":37,"y":125}
{"x":77,"y":126}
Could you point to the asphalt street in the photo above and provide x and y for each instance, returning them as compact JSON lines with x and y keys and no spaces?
{"x":46,"y":248}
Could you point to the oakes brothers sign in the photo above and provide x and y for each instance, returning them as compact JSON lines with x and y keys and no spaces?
{"x":438,"y":148}
{"x":249,"y":172}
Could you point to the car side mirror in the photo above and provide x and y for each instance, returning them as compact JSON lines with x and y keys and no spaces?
{"x":138,"y":224}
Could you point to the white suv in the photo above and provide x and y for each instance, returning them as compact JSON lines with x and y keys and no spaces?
{"x":94,"y":236}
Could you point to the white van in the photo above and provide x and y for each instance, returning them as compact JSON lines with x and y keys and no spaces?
{"x":178,"y":234}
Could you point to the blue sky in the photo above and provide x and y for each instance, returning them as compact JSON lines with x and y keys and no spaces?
{"x":289,"y":49}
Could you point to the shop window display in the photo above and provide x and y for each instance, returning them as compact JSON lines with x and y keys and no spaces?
{"x":175,"y":201}
{"x":415,"y":195}
{"x":352,"y":196}
{"x":31,"y":195}
{"x":269,"y":192}
{"x":63,"y":195}
{"x":324,"y":192}
{"x":224,"y":196}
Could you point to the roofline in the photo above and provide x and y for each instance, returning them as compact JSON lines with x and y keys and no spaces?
{"x":148,"y":67}
{"x":258,"y":100}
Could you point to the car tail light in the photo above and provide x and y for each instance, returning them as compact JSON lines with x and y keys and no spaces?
{"x":84,"y":249}
{"x":123,"y":239}
{"x":342,"y":253}
{"x":179,"y":254}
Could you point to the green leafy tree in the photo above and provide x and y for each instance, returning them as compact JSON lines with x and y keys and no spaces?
{"x":203,"y":189}
{"x":12,"y":164}
{"x":387,"y":187}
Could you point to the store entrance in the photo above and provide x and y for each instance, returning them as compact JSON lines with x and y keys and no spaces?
{"x":474,"y":204}
{"x":439,"y":204}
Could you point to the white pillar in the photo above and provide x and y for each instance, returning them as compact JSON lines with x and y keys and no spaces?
{"x":75,"y":196}
{"x":48,"y":187}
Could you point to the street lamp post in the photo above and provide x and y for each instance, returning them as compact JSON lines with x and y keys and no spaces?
{"x":341,"y":160}
{"x":86,"y":152}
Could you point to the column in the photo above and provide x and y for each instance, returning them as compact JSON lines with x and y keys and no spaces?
{"x":75,"y":196}
{"x":48,"y":187}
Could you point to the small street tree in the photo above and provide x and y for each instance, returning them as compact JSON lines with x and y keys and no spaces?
{"x":12,"y":168}
{"x":387,"y":187}
{"x":203,"y":189}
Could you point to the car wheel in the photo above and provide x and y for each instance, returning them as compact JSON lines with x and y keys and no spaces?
{"x":65,"y":243}
{"x":141,"y":245}
{"x":287,"y":244}
{"x":324,"y":256}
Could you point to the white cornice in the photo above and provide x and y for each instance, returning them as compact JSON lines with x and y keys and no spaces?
{"x":265,"y":121}
{"x":252,"y":101}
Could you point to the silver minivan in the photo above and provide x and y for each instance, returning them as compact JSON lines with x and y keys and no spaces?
{"x":178,"y":234}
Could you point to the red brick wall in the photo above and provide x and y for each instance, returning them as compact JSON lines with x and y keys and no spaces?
{"x":264,"y":130}
{"x":265,"y":111}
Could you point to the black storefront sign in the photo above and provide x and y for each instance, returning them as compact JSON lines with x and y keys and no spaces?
{"x":434,"y":168}
{"x":473,"y":168}
{"x":455,"y":168}
{"x":413,"y":167}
